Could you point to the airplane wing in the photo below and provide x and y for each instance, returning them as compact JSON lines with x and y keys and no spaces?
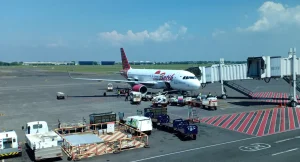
{"x":147,"y":83}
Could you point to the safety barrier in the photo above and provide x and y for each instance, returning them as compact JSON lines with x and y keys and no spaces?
{"x":115,"y":143}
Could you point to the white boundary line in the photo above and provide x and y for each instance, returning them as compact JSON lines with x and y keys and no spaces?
{"x":285,"y":151}
{"x":210,"y":146}
{"x":194,"y":149}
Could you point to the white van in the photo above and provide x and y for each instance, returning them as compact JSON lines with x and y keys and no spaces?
{"x":141,"y":123}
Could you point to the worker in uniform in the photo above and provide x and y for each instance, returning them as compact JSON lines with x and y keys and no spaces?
{"x":209,"y":94}
{"x":158,"y":93}
{"x":119,"y":93}
{"x":126,"y":96}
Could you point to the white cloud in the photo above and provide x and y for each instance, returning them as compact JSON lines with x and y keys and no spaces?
{"x":217,"y":32}
{"x":273,"y":15}
{"x":169,"y":31}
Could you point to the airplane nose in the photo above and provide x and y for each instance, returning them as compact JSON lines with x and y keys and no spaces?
{"x":196,"y":84}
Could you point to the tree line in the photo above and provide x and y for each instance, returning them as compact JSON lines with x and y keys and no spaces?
{"x":10,"y":63}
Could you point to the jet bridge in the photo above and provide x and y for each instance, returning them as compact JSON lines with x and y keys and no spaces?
{"x":268,"y":67}
{"x":226,"y":75}
{"x":259,"y":68}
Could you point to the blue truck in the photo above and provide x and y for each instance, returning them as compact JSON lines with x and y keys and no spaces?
{"x":179,"y":126}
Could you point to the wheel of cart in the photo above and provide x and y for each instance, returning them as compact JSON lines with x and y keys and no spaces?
{"x":194,"y":136}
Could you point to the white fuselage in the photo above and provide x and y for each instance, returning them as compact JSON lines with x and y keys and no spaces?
{"x":178,"y":79}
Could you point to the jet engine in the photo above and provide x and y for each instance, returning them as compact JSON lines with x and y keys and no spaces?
{"x":139,"y":88}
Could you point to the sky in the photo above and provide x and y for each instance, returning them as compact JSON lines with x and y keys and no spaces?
{"x":156,"y":30}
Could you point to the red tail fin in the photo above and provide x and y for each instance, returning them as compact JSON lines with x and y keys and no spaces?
{"x":124,"y":60}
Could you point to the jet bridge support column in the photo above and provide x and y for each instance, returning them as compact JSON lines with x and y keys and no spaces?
{"x":224,"y":96}
{"x":294,"y":101}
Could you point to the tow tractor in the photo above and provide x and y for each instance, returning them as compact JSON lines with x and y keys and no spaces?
{"x":147,"y":96}
{"x":178,"y":126}
{"x":60,"y":96}
{"x":211,"y":102}
{"x":135,"y":97}
{"x":44,"y":144}
{"x":9,"y":145}
{"x":177,"y":100}
{"x":110,"y":87}
{"x":160,"y":100}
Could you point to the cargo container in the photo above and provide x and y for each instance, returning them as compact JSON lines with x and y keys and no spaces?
{"x":102,"y":118}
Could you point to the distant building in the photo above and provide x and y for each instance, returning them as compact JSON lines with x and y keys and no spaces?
{"x":87,"y":63}
{"x":40,"y":63}
{"x":107,"y":62}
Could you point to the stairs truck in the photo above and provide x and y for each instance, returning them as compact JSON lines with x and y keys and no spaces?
{"x":43,"y":144}
{"x":9,"y":145}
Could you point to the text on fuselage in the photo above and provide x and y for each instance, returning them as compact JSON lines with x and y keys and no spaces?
{"x":163,"y":77}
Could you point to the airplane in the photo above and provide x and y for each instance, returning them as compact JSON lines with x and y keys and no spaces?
{"x":142,"y":79}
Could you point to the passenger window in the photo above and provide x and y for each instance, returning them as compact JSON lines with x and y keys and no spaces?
{"x":14,"y":140}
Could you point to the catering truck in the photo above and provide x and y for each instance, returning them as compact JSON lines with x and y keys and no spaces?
{"x":44,"y":144}
{"x":9,"y":145}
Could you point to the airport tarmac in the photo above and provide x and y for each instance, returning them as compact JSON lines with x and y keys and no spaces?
{"x":28,"y":97}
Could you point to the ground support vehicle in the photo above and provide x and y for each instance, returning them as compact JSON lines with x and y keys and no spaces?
{"x":179,"y":126}
{"x":160,"y":100}
{"x":102,"y":118}
{"x":9,"y":145}
{"x":179,"y":100}
{"x":187,"y":100}
{"x":173,"y":101}
{"x":115,"y":138}
{"x":204,"y":101}
{"x":110,"y":87}
{"x":94,"y":119}
{"x":43,"y":144}
{"x":142,"y":123}
{"x":60,"y":96}
{"x":147,"y":96}
{"x":155,"y":112}
{"x":135,"y":97}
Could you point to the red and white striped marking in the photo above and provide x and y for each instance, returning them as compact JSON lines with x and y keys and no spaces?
{"x":258,"y":123}
{"x":273,"y":97}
